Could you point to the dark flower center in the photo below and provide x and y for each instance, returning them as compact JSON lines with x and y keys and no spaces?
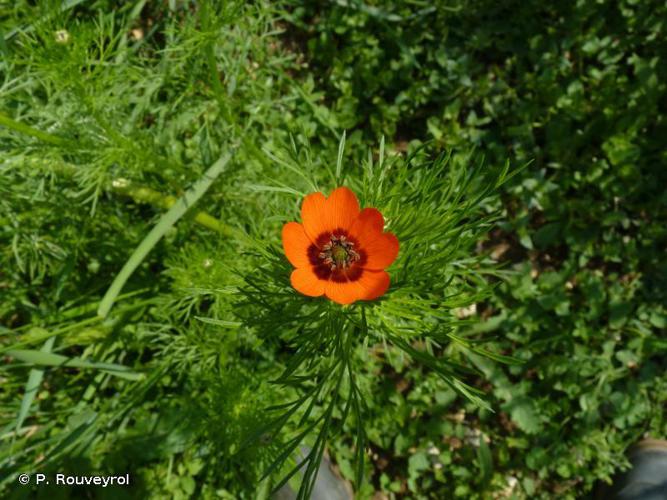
{"x":339,"y":253}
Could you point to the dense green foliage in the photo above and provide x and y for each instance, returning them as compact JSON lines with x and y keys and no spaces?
{"x":109,"y":115}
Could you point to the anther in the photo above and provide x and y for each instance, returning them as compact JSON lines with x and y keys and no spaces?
{"x":338,"y":252}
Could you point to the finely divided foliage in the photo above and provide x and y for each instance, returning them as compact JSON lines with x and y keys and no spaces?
{"x":152,"y":155}
{"x":101,"y":121}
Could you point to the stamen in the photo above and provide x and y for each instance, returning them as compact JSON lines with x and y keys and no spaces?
{"x":339,"y":252}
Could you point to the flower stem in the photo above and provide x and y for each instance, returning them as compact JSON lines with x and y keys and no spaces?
{"x":143,"y":194}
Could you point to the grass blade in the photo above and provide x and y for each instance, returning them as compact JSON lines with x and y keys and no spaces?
{"x":485,"y":460}
{"x":164,"y":224}
{"x":219,"y":322}
{"x":22,"y":128}
{"x":32,"y":386}
{"x":339,"y":160}
{"x":42,"y":358}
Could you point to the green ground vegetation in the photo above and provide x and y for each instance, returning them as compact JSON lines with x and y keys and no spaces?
{"x":152,"y":150}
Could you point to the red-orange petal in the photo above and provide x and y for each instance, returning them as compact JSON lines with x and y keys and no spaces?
{"x":368,"y":224}
{"x":321,"y":215}
{"x":372,"y":284}
{"x":313,"y":215}
{"x":306,"y":282}
{"x":381,"y":251}
{"x":342,"y":209}
{"x":369,"y":286}
{"x":295,"y":244}
{"x":342,"y":293}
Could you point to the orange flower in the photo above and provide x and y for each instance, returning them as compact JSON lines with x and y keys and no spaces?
{"x":339,"y":251}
